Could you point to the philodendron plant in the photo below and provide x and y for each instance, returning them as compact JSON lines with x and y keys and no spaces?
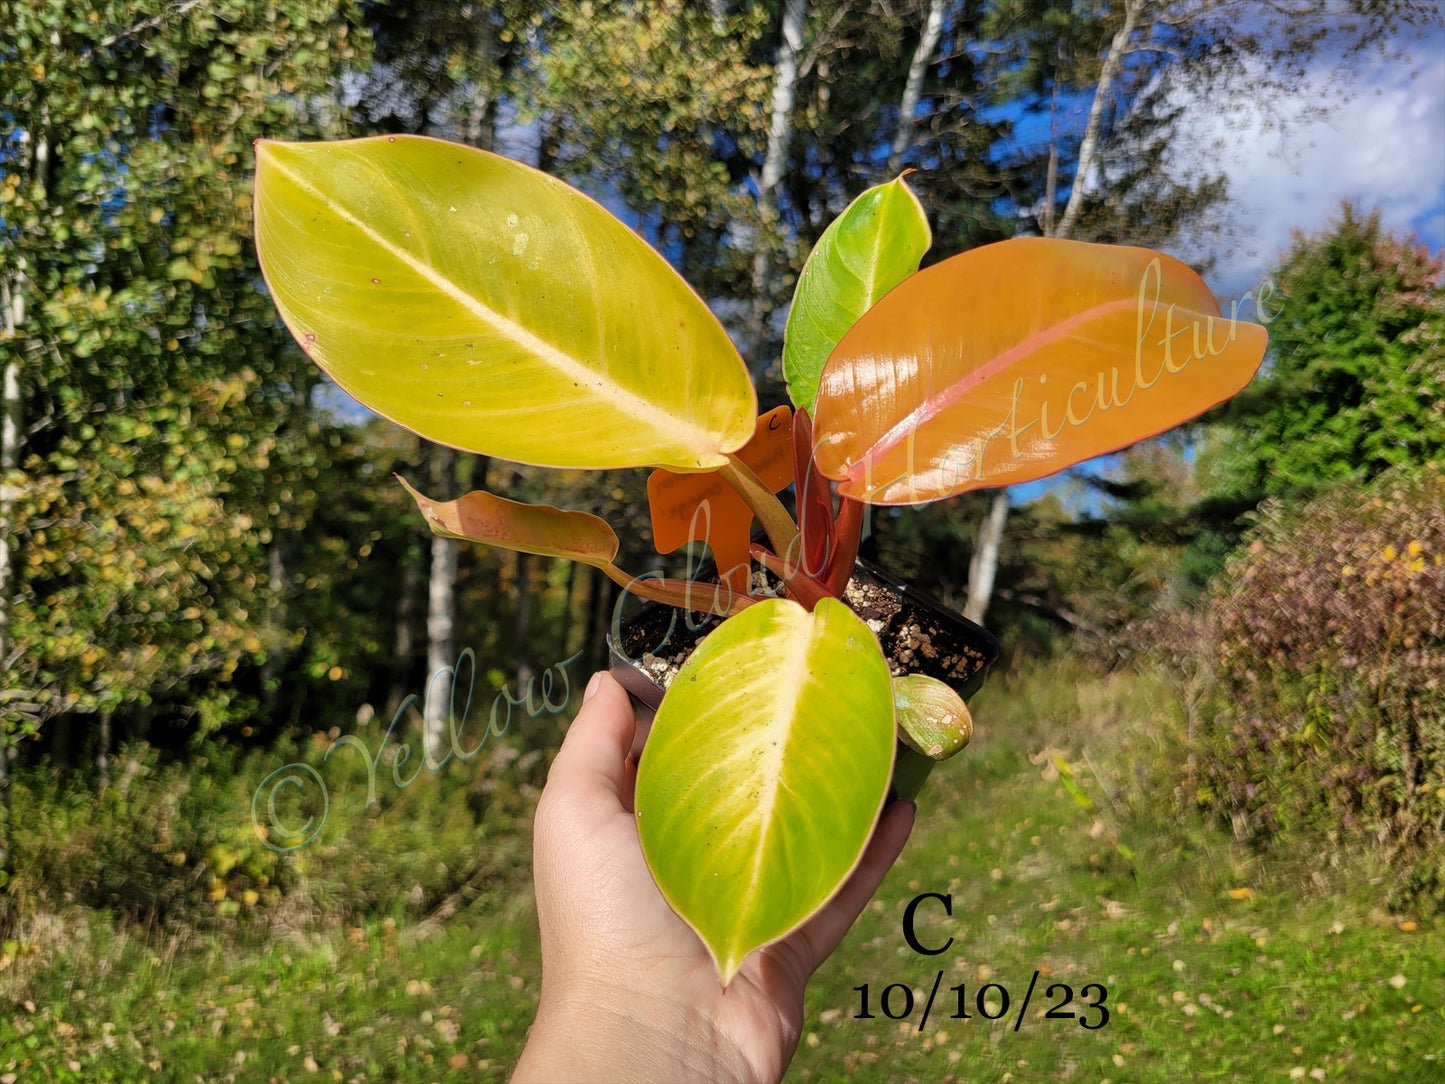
{"x":492,"y":308}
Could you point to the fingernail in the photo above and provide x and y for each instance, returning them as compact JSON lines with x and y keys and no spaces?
{"x":592,"y":686}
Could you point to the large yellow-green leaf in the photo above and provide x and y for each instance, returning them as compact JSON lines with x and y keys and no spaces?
{"x":765,"y":771}
{"x":870,"y":248}
{"x":1015,"y":360}
{"x":488,"y":306}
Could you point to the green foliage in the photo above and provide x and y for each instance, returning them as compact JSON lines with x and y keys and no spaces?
{"x":137,"y":574}
{"x":1327,"y":716}
{"x":161,"y":845}
{"x":1357,"y":383}
{"x":638,"y":99}
{"x":175,"y":844}
{"x":1248,"y":945}
{"x":164,"y":457}
{"x":869,"y":249}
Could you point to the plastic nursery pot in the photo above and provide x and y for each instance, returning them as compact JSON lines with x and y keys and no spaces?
{"x":918,"y":634}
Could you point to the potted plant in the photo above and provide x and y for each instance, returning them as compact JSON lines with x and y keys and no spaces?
{"x":490,"y":307}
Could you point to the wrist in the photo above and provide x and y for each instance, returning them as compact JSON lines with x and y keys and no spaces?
{"x":588,"y":1032}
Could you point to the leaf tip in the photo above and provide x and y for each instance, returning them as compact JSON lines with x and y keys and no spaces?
{"x":727,"y":967}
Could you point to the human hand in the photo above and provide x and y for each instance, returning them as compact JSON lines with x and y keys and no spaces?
{"x":629,"y":991}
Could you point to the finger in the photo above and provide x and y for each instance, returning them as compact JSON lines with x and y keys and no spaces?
{"x":823,"y":933}
{"x":593,"y":757}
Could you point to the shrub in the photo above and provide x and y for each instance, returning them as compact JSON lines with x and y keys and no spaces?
{"x":177,"y":843}
{"x":1327,"y":711}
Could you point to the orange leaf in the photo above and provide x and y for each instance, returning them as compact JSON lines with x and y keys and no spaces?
{"x":704,"y":507}
{"x":531,"y":528}
{"x":1016,"y":360}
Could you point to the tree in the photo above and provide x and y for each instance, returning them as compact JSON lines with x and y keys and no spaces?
{"x":661,"y":106}
{"x":146,"y":380}
{"x":780,"y":133}
{"x":1356,"y":383}
{"x":1125,"y":69}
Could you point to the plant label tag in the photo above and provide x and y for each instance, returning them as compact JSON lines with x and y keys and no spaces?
{"x":706,"y":508}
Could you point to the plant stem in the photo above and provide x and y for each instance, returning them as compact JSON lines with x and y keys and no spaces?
{"x":800,"y":586}
{"x":684,"y":594}
{"x":910,"y":772}
{"x":847,"y":536}
{"x":781,"y":530}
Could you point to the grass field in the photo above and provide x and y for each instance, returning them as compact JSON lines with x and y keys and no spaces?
{"x":1212,"y":964}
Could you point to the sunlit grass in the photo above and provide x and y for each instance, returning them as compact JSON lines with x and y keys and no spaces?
{"x":1219,"y":964}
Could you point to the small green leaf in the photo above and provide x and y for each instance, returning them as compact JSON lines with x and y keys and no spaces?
{"x":869,"y":249}
{"x":765,"y":772}
{"x":1071,"y":785}
{"x":932,"y":718}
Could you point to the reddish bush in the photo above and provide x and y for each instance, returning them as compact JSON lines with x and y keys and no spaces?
{"x":1328,"y":709}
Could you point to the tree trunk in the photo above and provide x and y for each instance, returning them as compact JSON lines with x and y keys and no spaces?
{"x":983,"y":566}
{"x":10,"y":421}
{"x":913,"y":86}
{"x":569,"y":609}
{"x":780,"y":133}
{"x":403,"y":645}
{"x":480,"y":129}
{"x":102,"y":755}
{"x":1089,"y":146}
{"x":603,"y":599}
{"x":522,"y":659}
{"x":11,"y":437}
{"x":279,"y":559}
{"x":441,"y":609}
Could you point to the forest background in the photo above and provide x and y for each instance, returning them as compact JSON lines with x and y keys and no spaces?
{"x":1224,"y":675}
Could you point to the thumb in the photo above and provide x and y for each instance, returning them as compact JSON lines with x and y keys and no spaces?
{"x":592,"y":762}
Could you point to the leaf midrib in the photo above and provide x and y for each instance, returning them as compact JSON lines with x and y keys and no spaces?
{"x":784,"y":718}
{"x":940,"y":401}
{"x":672,"y":428}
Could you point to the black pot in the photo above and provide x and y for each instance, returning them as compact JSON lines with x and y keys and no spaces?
{"x":641,"y":647}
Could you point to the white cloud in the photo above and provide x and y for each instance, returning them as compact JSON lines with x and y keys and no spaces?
{"x":1384,"y":147}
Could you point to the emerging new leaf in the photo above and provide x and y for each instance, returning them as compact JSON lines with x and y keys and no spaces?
{"x":765,"y":771}
{"x":1016,"y":360}
{"x":932,"y":718}
{"x":870,"y":248}
{"x":488,"y":306}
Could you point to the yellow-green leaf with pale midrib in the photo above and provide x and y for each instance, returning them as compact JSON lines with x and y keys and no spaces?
{"x":490,"y":307}
{"x":765,"y":771}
